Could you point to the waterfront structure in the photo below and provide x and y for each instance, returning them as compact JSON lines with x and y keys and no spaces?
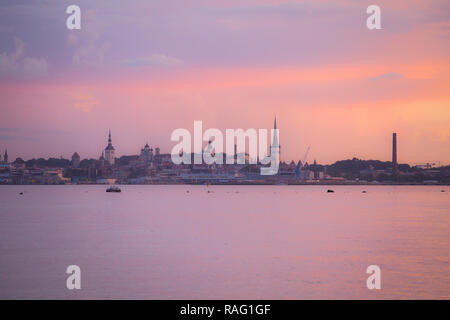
{"x":109,"y":151}
{"x":76,"y":160}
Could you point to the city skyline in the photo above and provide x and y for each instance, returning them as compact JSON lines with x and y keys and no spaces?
{"x":108,"y":154}
{"x":335,"y":85}
{"x":231,"y":166}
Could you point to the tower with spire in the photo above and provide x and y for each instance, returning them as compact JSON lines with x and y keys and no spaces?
{"x":275,"y":146}
{"x":109,"y":151}
{"x":146,"y":153}
{"x":5,"y":157}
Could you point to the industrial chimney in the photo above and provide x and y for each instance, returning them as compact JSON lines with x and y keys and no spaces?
{"x":394,"y":154}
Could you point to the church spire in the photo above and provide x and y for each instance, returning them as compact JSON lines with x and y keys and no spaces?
{"x":109,"y":151}
{"x":275,"y":145}
{"x":275,"y":133}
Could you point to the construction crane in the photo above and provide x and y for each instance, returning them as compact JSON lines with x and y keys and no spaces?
{"x":306,"y":155}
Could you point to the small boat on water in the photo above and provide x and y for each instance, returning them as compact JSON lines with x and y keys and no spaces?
{"x":113,"y":189}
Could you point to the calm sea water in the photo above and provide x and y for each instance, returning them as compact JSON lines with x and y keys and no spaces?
{"x":246,"y":242}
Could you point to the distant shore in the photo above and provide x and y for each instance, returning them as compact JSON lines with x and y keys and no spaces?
{"x":246,"y":184}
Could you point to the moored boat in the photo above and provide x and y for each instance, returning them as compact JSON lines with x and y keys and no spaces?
{"x":113,"y":189}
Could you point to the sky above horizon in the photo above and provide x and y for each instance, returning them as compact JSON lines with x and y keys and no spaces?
{"x":145,"y":68}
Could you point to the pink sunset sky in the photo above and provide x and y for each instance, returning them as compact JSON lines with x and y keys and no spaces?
{"x":144,"y":68}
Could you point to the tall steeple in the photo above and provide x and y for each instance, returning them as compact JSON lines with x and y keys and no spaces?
{"x":275,"y":146}
{"x":275,"y":134}
{"x":109,"y":150}
{"x":5,"y":157}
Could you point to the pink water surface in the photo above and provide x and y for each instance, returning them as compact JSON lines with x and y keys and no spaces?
{"x":235,"y":242}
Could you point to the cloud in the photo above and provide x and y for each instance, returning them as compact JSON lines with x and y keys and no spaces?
{"x":84,"y":102}
{"x":89,"y":48}
{"x":390,"y":75}
{"x":153,"y":60}
{"x":15,"y":65}
{"x":14,"y":134}
{"x":72,"y":39}
{"x":90,"y":55}
{"x":17,"y":138}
